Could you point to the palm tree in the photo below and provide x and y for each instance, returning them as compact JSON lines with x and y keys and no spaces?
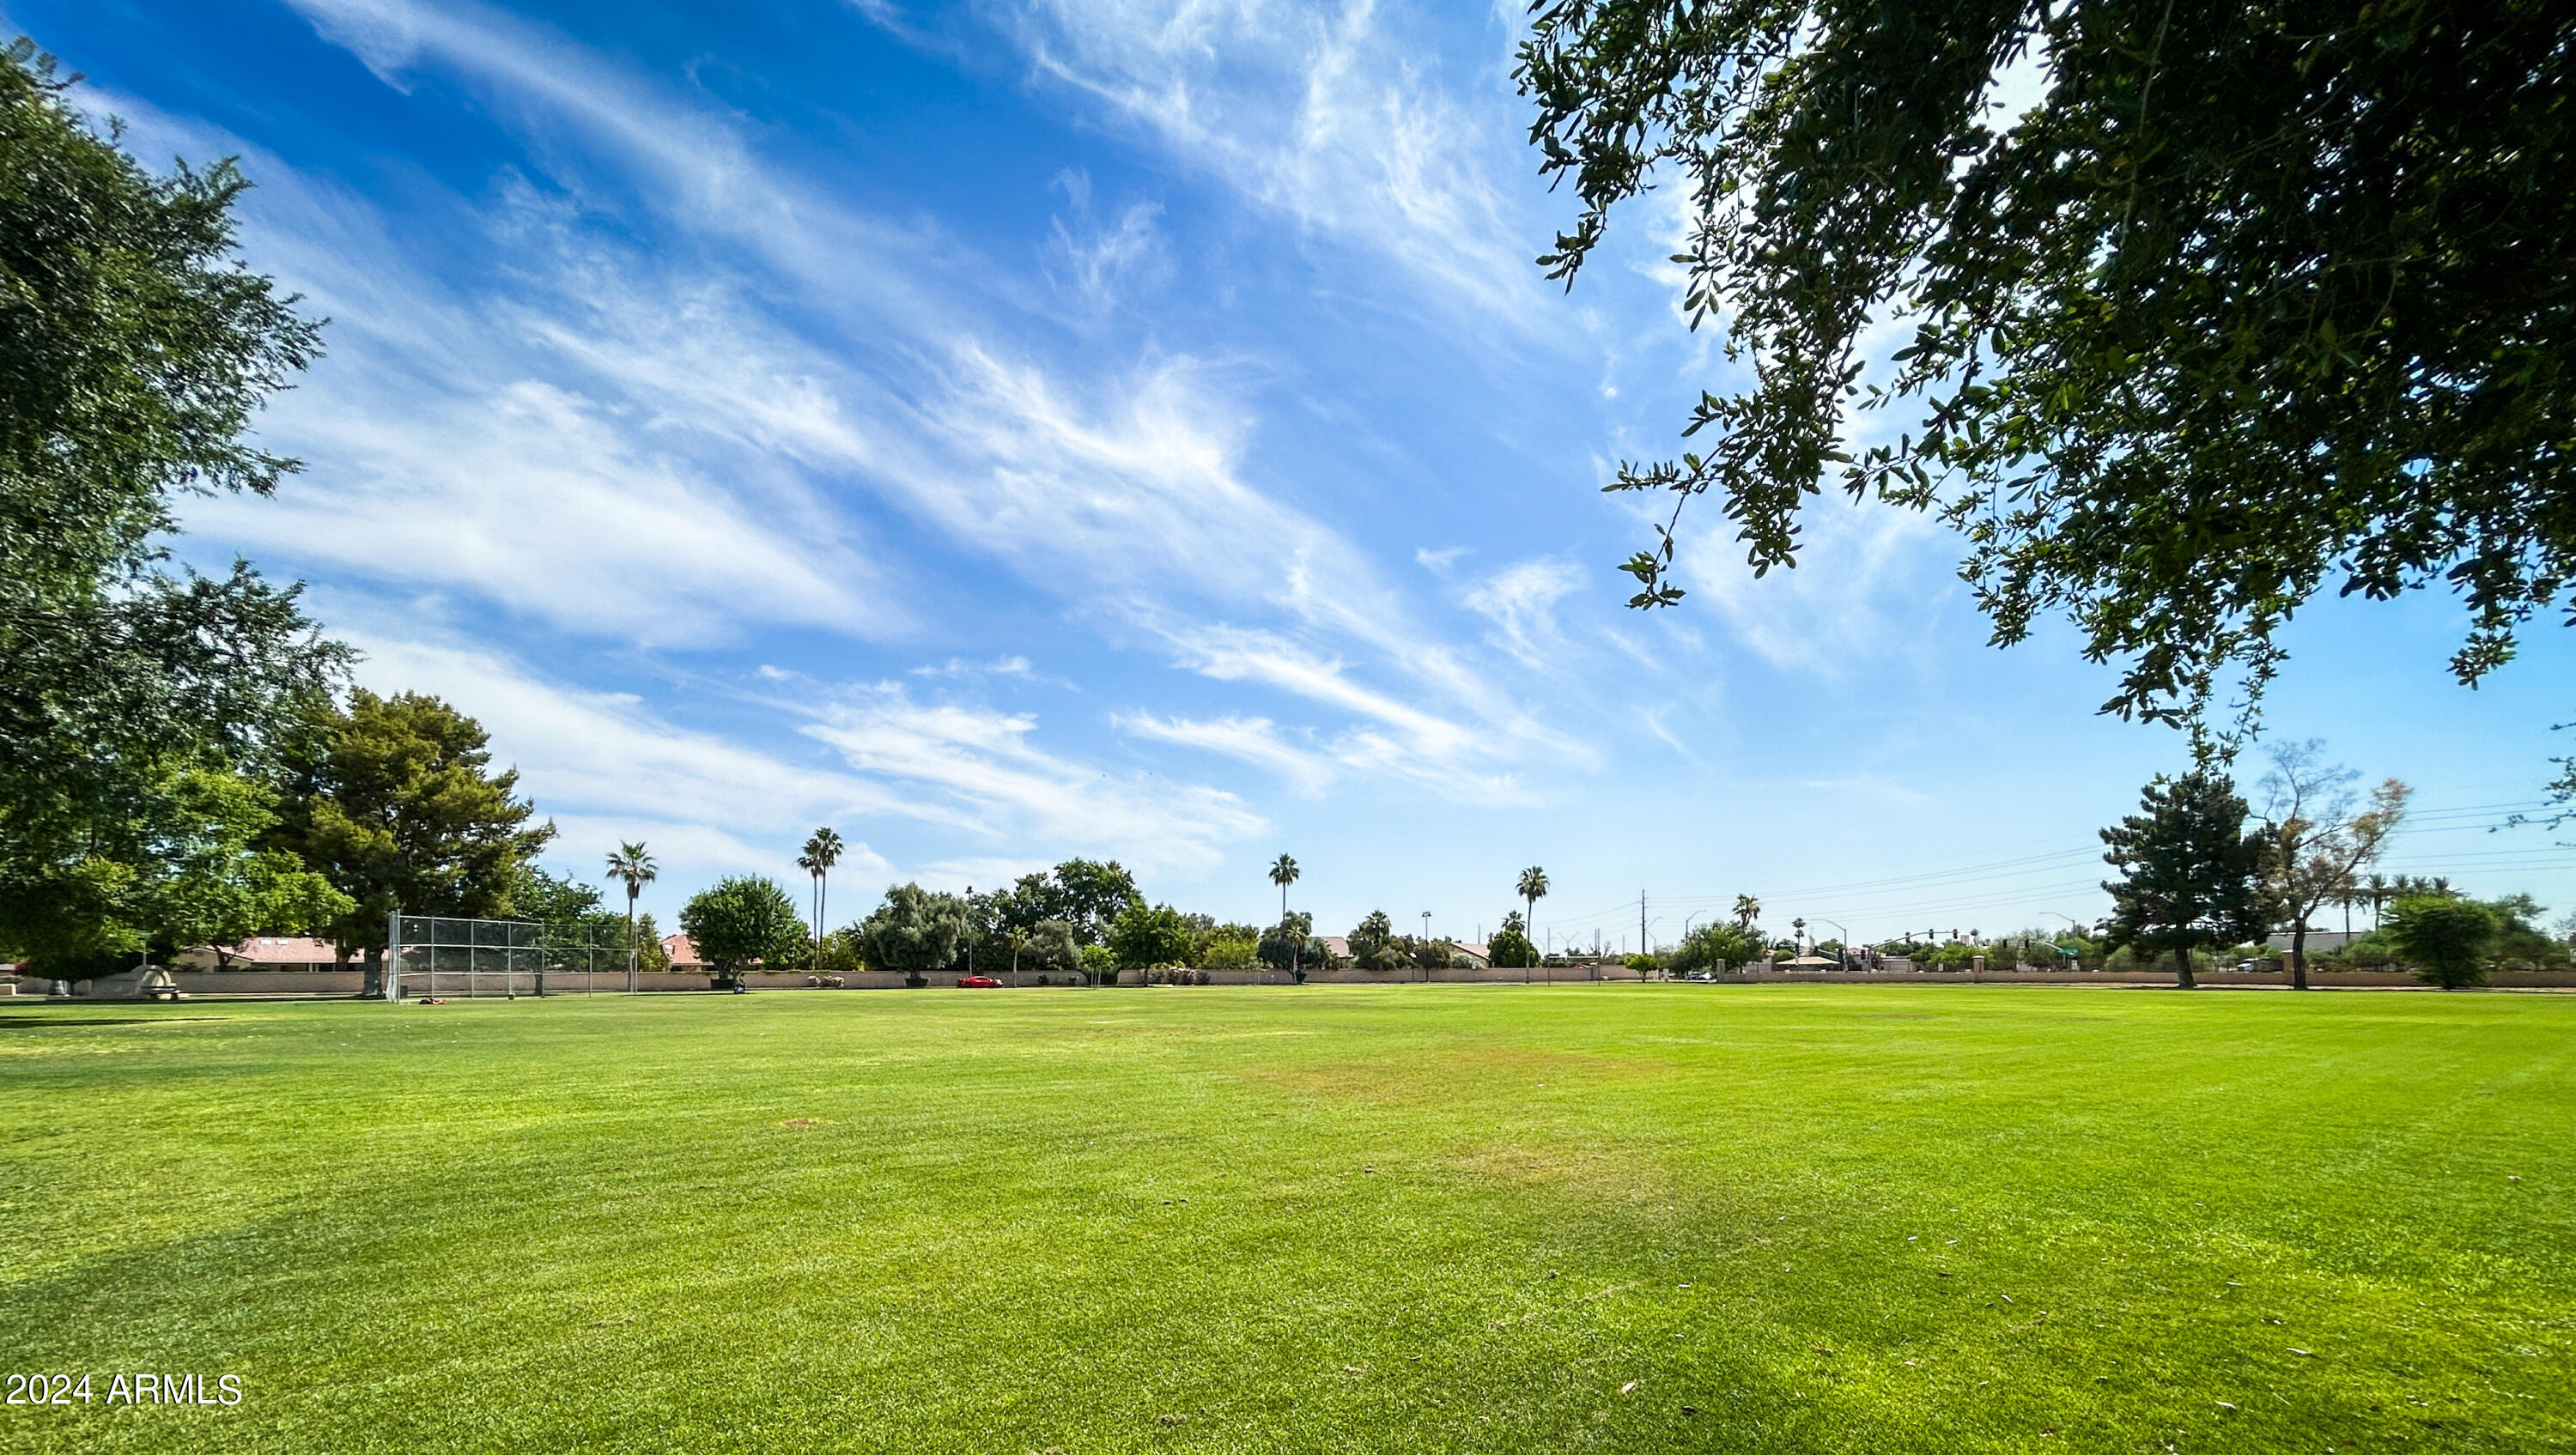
{"x":634,"y":867}
{"x":822,"y":851}
{"x":1747,"y":910}
{"x":1533,"y":887}
{"x":1798,"y":933}
{"x":1283,"y":874}
{"x":2376,"y":890}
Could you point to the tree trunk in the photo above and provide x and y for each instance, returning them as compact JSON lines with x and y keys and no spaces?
{"x":2182,"y":969}
{"x":2299,"y":954}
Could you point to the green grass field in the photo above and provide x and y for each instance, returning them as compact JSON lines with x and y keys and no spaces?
{"x":1401,"y":1218}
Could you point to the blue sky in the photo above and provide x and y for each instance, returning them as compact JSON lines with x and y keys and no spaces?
{"x":1013,"y":431}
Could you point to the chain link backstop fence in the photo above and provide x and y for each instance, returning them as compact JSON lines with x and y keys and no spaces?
{"x":441,"y":955}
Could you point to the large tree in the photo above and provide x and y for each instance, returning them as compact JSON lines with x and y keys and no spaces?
{"x":822,"y":850}
{"x":1375,"y":945}
{"x":202,"y":879}
{"x":631,"y":865}
{"x":2251,"y":301}
{"x":1291,"y":945}
{"x":1532,"y":887}
{"x":2317,"y":839}
{"x":743,"y":921}
{"x":1710,"y":946}
{"x":138,"y":705}
{"x":1046,"y":945}
{"x":2191,"y":875}
{"x":915,"y":931}
{"x":1090,"y":895}
{"x":395,"y":800}
{"x":1144,"y":937}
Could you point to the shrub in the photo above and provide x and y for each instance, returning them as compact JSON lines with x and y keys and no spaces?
{"x":2446,"y":940}
{"x":1228,"y":952}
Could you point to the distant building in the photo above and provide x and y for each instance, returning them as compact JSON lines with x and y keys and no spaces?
{"x":683,"y":952}
{"x":1482,"y":954}
{"x":2319,"y":941}
{"x":261,"y":952}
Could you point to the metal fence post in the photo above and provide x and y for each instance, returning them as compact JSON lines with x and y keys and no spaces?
{"x":393,"y":957}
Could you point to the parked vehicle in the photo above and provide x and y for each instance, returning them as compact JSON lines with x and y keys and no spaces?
{"x":978,"y":982}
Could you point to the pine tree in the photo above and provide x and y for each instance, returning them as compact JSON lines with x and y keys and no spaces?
{"x":2191,"y":874}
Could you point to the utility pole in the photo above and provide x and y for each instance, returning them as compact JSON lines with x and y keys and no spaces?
{"x":1641,"y":923}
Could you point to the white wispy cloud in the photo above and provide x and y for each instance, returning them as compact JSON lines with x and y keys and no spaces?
{"x":984,"y":762}
{"x":607,"y":769}
{"x":1328,"y":114}
{"x":478,"y":445}
{"x":546,"y":502}
{"x":1254,"y":740}
{"x":1098,"y":262}
{"x":1860,"y":588}
{"x":594,"y":752}
{"x":598,"y":126}
{"x":1520,"y":600}
{"x":1121,"y":490}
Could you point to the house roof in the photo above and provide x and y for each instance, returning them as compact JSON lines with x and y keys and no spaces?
{"x":281,"y":949}
{"x":681,"y":949}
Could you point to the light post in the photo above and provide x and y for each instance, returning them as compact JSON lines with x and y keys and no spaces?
{"x":2072,"y":923}
{"x":1845,"y":956}
{"x":1426,"y":940}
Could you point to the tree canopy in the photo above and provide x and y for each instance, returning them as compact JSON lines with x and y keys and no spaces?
{"x":1086,"y":894}
{"x":2317,"y":839}
{"x":746,"y":919}
{"x":2253,"y":301}
{"x":2191,"y":875}
{"x":2446,"y":939}
{"x":1291,"y":945}
{"x":1708,"y":946}
{"x":1046,"y":945}
{"x":915,"y":931}
{"x":394,"y":799}
{"x":1373,"y":943}
{"x":1143,"y":937}
{"x":139,"y":707}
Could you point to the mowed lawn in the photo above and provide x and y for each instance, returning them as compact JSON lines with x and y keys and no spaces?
{"x":1399,"y":1218}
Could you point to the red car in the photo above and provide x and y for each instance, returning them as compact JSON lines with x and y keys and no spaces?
{"x":978,"y":982}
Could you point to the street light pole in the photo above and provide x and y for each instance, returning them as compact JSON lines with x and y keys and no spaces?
{"x":2072,"y":923}
{"x":1845,"y":956}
